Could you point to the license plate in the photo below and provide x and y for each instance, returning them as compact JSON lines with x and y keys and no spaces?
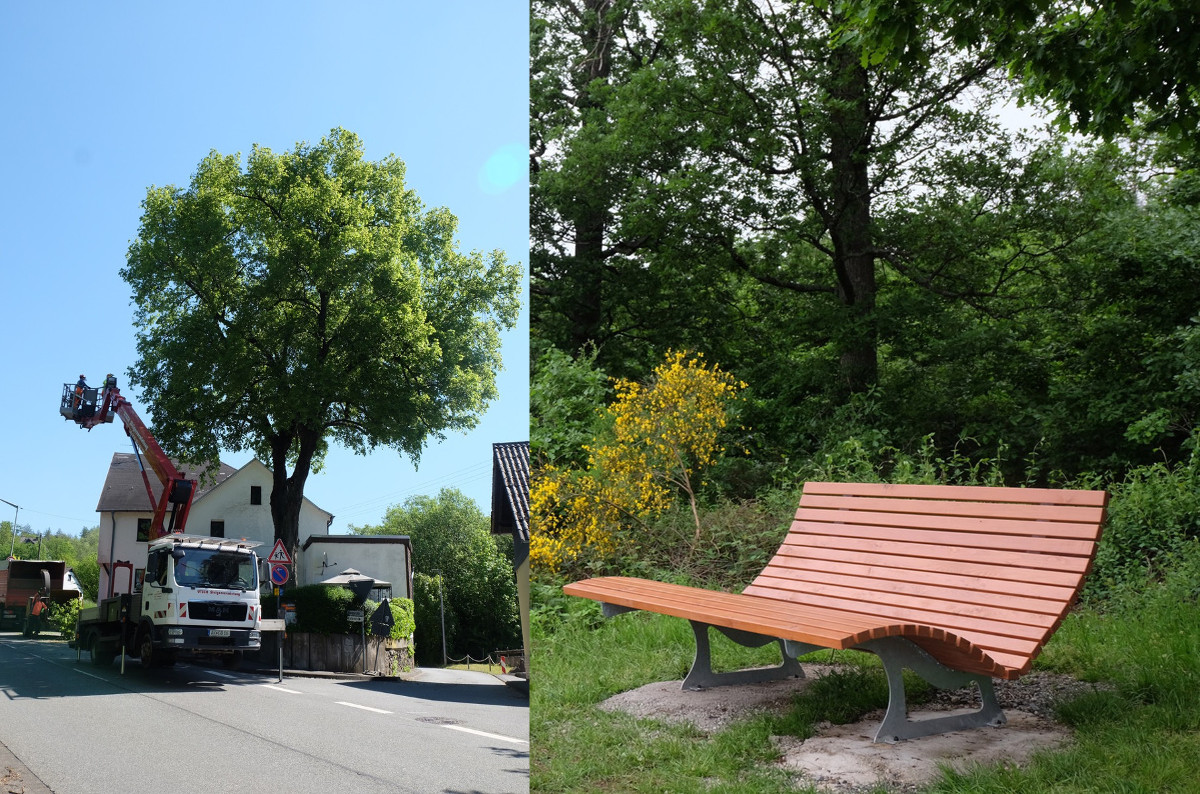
{"x":218,"y":632}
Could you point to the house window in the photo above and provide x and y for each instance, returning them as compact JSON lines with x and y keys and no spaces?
{"x":217,"y":529}
{"x":143,"y":530}
{"x":255,"y":494}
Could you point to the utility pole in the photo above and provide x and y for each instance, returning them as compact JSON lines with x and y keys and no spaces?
{"x":13,"y":546}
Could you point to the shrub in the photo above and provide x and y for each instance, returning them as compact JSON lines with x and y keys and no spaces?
{"x":661,"y":436}
{"x":402,"y":617}
{"x":321,"y":609}
{"x":64,"y":617}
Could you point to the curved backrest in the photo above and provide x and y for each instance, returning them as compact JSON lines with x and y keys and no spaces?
{"x":996,"y":566}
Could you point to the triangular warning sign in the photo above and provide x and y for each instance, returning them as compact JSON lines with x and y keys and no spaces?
{"x":279,"y":554}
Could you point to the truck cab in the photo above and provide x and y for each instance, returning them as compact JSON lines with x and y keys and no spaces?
{"x":199,"y":594}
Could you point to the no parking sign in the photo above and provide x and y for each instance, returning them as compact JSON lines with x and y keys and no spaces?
{"x":279,"y":575}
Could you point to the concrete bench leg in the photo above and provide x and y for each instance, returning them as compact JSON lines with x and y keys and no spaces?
{"x":896,"y":653}
{"x":702,"y":676}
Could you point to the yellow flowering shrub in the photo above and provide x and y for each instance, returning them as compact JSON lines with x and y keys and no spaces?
{"x":663,"y":433}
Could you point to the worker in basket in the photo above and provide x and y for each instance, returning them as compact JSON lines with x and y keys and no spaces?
{"x":79,"y":388}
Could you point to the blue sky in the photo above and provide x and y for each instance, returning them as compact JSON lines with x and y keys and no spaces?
{"x":101,"y":101}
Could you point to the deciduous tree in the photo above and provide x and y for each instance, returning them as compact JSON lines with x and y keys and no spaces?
{"x":306,"y":297}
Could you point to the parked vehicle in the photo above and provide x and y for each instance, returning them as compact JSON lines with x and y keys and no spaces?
{"x":29,"y":587}
{"x":199,"y":595}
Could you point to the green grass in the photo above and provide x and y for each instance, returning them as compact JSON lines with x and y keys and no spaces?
{"x":1142,"y":735}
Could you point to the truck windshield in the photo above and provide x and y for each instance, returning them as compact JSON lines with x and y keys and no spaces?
{"x":215,"y":568}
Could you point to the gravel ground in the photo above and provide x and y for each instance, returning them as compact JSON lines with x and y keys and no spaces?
{"x":1035,"y":693}
{"x":841,"y":759}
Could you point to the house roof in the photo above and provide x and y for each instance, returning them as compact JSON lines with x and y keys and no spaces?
{"x":356,"y":539}
{"x":510,"y":489}
{"x":125,"y":491}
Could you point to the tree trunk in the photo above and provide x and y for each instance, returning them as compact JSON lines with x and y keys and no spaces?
{"x":287,"y":493}
{"x":850,"y":221}
{"x":592,"y":221}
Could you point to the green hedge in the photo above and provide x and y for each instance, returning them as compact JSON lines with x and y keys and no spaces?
{"x":321,"y":609}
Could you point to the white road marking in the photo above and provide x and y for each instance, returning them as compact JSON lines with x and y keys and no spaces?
{"x":283,"y":689}
{"x":90,"y":675}
{"x":488,"y":735}
{"x":222,"y":675}
{"x":364,"y":708}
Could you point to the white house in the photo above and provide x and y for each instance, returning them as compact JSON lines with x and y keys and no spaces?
{"x":237,"y":504}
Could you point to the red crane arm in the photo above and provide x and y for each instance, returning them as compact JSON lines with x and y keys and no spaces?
{"x":177,"y":490}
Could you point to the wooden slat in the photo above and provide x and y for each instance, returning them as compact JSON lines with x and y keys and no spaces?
{"x":941,"y":573}
{"x":1087,"y":516}
{"x":942,"y":537}
{"x":826,"y":628}
{"x":987,"y":634}
{"x":926,"y":611}
{"x":1016,"y":559}
{"x":968,"y":493}
{"x":1015,"y":571}
{"x":775,"y":618}
{"x":983,"y":528}
{"x":950,"y":589}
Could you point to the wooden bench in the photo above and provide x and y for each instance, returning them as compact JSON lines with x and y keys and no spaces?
{"x":960,"y":584}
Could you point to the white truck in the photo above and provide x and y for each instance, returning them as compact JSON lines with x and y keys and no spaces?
{"x":199,"y":595}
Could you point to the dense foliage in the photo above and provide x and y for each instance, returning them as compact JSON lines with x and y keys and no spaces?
{"x":305,"y":297}
{"x":659,"y":439}
{"x":861,"y":240}
{"x":452,"y":539}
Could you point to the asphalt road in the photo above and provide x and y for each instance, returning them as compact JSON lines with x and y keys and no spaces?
{"x":80,"y":729}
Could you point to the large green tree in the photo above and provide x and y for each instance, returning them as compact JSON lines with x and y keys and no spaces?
{"x":451,"y":538}
{"x":305,"y":297}
{"x":1107,"y":67}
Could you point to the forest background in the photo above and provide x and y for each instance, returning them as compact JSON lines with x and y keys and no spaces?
{"x":823,"y":207}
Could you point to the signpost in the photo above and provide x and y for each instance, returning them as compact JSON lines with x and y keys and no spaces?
{"x":279,"y":560}
{"x":356,"y":616}
{"x":279,"y":554}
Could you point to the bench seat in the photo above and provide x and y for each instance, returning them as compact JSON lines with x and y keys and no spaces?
{"x":959,"y":583}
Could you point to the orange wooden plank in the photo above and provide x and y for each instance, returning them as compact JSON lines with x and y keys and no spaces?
{"x":770,"y":618}
{"x":925,"y":610}
{"x":984,"y":632}
{"x":930,"y":586}
{"x":941,"y":573}
{"x":1053,"y":520}
{"x":1017,"y":559}
{"x":943,"y":537}
{"x":984,"y":527}
{"x":971,"y":493}
{"x":1013,"y":575}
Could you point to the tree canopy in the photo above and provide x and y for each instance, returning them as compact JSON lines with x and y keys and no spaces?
{"x":821,"y":198}
{"x":308,"y":297}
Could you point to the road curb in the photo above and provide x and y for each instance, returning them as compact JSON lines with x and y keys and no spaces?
{"x":15,"y":777}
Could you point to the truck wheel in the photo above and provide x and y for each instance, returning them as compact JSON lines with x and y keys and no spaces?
{"x":146,"y":653}
{"x":100,"y":657}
